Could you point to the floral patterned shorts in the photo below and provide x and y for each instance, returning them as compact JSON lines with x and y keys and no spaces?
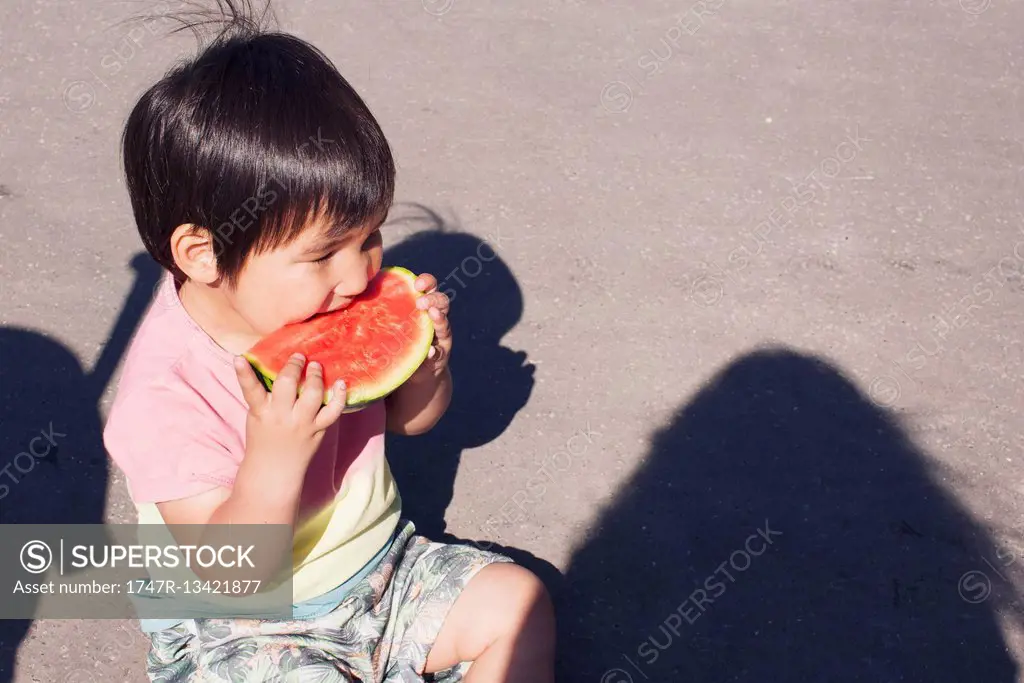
{"x":381,"y":633}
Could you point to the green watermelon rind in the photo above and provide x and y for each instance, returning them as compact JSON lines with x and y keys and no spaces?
{"x":356,"y":401}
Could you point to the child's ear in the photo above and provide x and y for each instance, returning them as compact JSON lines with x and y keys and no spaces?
{"x":193,"y":249}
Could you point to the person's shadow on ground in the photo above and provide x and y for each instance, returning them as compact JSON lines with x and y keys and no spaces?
{"x":53,"y":465}
{"x":783,"y":528}
{"x":492,"y":382}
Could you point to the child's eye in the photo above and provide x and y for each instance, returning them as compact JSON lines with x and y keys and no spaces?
{"x":325,"y":258}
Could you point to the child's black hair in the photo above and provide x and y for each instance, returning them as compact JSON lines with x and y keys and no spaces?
{"x":249,"y":139}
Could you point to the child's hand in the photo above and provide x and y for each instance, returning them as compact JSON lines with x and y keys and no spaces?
{"x":283,"y":426}
{"x":436,"y":305}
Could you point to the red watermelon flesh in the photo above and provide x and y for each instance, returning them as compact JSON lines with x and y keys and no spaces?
{"x":374,"y":344}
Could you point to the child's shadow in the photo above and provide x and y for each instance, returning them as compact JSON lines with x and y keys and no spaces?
{"x":51,"y":440}
{"x":783,"y":528}
{"x":492,"y":382}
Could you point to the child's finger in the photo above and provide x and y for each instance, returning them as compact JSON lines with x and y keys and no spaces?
{"x":426,"y":282}
{"x":330,"y":413}
{"x":286,"y":386}
{"x":438,"y":352}
{"x":445,"y":344}
{"x":441,"y":326}
{"x":435,"y":300}
{"x":312,"y":395}
{"x":253,"y":391}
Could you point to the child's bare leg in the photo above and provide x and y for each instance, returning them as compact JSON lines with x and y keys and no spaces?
{"x":504,"y":623}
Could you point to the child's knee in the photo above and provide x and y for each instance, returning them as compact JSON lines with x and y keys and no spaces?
{"x":531,"y":632}
{"x":531,"y":602}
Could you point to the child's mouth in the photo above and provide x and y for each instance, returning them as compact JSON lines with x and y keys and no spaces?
{"x":337,"y":306}
{"x":344,"y":303}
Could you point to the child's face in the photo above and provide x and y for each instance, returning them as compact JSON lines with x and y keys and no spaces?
{"x":308,"y":276}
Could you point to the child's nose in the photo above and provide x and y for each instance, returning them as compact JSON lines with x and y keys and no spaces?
{"x":352,"y":286}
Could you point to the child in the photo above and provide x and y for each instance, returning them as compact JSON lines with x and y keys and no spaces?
{"x":260,"y":181}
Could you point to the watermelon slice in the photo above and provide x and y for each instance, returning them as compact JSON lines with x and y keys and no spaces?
{"x":374,"y":344}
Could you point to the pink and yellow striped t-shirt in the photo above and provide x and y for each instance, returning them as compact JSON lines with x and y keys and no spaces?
{"x":177,"y":428}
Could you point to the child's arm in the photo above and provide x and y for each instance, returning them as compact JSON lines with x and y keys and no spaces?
{"x":282,"y":436}
{"x":419,"y":403}
{"x":263,"y":493}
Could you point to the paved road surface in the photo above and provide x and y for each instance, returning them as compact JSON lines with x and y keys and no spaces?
{"x":739,"y":374}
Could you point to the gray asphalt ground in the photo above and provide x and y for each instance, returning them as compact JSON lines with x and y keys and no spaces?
{"x":739,"y":368}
